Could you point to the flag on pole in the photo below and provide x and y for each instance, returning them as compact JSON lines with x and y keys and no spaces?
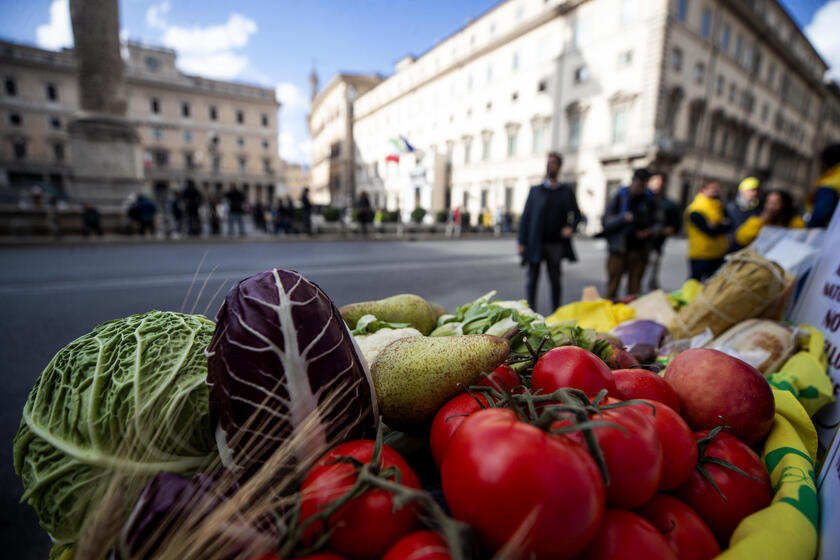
{"x":408,"y":146}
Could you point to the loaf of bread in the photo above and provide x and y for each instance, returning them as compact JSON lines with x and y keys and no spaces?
{"x":762,"y":343}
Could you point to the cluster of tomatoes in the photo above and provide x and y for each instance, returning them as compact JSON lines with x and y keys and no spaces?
{"x":566,"y":469}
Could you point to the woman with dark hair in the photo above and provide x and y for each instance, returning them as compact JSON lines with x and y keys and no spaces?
{"x":778,"y":210}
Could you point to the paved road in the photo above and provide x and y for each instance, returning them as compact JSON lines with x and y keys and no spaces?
{"x":51,"y":295}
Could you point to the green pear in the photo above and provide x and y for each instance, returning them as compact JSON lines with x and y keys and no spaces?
{"x":438,"y":309}
{"x":402,"y":308}
{"x":414,"y":377}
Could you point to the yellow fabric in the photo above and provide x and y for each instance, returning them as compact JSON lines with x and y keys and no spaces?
{"x":748,"y":184}
{"x":830,"y":179}
{"x":700,"y":245}
{"x":750,"y":229}
{"x":601,"y":315}
{"x":788,"y":528}
{"x":685,"y":295}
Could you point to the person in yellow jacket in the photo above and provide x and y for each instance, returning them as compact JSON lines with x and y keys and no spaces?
{"x":827,"y":194}
{"x":706,"y":226}
{"x":779,"y":210}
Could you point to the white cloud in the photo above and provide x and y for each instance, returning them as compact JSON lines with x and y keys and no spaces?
{"x":294,"y":148}
{"x":220,"y":65}
{"x":213,"y":39}
{"x":291,"y":97}
{"x":57,"y":33}
{"x":156,"y":15}
{"x":824,"y":33}
{"x":209,"y":51}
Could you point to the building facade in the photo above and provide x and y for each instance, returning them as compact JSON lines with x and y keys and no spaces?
{"x":698,"y":88}
{"x":296,"y":177}
{"x":211,"y":132}
{"x":331,"y":129}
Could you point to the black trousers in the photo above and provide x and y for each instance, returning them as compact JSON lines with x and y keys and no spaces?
{"x":552,"y":254}
{"x":702,"y":269}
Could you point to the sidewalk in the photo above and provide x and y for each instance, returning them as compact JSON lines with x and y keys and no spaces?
{"x":252,"y":237}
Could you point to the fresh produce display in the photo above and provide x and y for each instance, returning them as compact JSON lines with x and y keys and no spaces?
{"x":293,"y":430}
{"x":714,"y":387}
{"x":366,"y":526}
{"x":279,"y":350}
{"x":129,"y":398}
{"x":414,"y":377}
{"x":686,"y":532}
{"x":724,"y":494}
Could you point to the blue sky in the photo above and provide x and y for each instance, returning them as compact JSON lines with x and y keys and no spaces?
{"x":274,"y":43}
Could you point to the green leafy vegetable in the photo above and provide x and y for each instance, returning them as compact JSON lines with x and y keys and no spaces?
{"x":369,"y":324}
{"x":129,"y":398}
{"x":485,"y":316}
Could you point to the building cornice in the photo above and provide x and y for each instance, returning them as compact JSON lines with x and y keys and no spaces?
{"x":527,"y":26}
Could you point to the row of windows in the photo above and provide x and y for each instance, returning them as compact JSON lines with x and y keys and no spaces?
{"x":11,"y":88}
{"x":161,"y":159}
{"x":187,"y":135}
{"x":620,"y":126}
{"x":14,"y":118}
{"x":20,"y":152}
{"x":155,"y":108}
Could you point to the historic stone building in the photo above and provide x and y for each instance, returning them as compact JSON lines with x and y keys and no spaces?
{"x":212,"y":132}
{"x":699,"y":88}
{"x":331,"y":129}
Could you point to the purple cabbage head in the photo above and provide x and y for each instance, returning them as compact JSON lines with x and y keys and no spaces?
{"x":170,"y":501}
{"x":279,"y":350}
{"x":640,"y":331}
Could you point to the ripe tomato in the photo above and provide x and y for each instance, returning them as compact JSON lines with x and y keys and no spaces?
{"x":502,"y":378}
{"x":447,"y":420}
{"x":422,"y":545}
{"x":684,"y":530}
{"x":679,"y":448}
{"x":501,"y":475}
{"x":743,"y":494}
{"x":365,"y":527}
{"x":644,"y":384}
{"x":633,"y":456}
{"x":570,"y":366}
{"x":627,"y":536}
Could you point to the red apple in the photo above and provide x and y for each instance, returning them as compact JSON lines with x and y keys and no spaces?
{"x":644,"y":384}
{"x":716,"y":388}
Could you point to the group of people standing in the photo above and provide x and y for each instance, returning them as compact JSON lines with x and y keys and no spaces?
{"x":188,"y":210}
{"x":639,"y":218}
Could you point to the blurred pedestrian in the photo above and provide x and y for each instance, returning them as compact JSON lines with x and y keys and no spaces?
{"x":236,"y":202}
{"x":745,"y":205}
{"x":824,"y":199}
{"x":778,"y":210}
{"x":215,"y":219}
{"x":670,"y":220}
{"x":706,"y":226}
{"x":192,"y":202}
{"x":364,"y":212}
{"x":630,"y":224}
{"x":306,"y":210}
{"x":549,"y":219}
{"x":144,"y":214}
{"x":91,"y":220}
{"x":177,"y":211}
{"x":258,"y":213}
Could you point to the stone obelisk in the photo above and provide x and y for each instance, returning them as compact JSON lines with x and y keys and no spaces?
{"x":105,"y":148}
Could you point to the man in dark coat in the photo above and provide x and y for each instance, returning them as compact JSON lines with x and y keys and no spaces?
{"x":548,"y":221}
{"x":630,"y":223}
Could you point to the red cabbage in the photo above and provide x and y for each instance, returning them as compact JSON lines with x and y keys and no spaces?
{"x":279,"y":350}
{"x":640,"y":331}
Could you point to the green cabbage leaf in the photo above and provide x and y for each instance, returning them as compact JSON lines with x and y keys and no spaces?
{"x":129,"y":398}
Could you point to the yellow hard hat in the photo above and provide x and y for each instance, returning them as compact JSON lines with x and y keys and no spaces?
{"x":748,"y":184}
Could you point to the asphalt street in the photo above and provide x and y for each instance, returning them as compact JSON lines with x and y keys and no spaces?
{"x":52,"y":295}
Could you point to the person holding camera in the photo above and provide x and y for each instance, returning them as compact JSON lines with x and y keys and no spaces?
{"x":631,"y":223}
